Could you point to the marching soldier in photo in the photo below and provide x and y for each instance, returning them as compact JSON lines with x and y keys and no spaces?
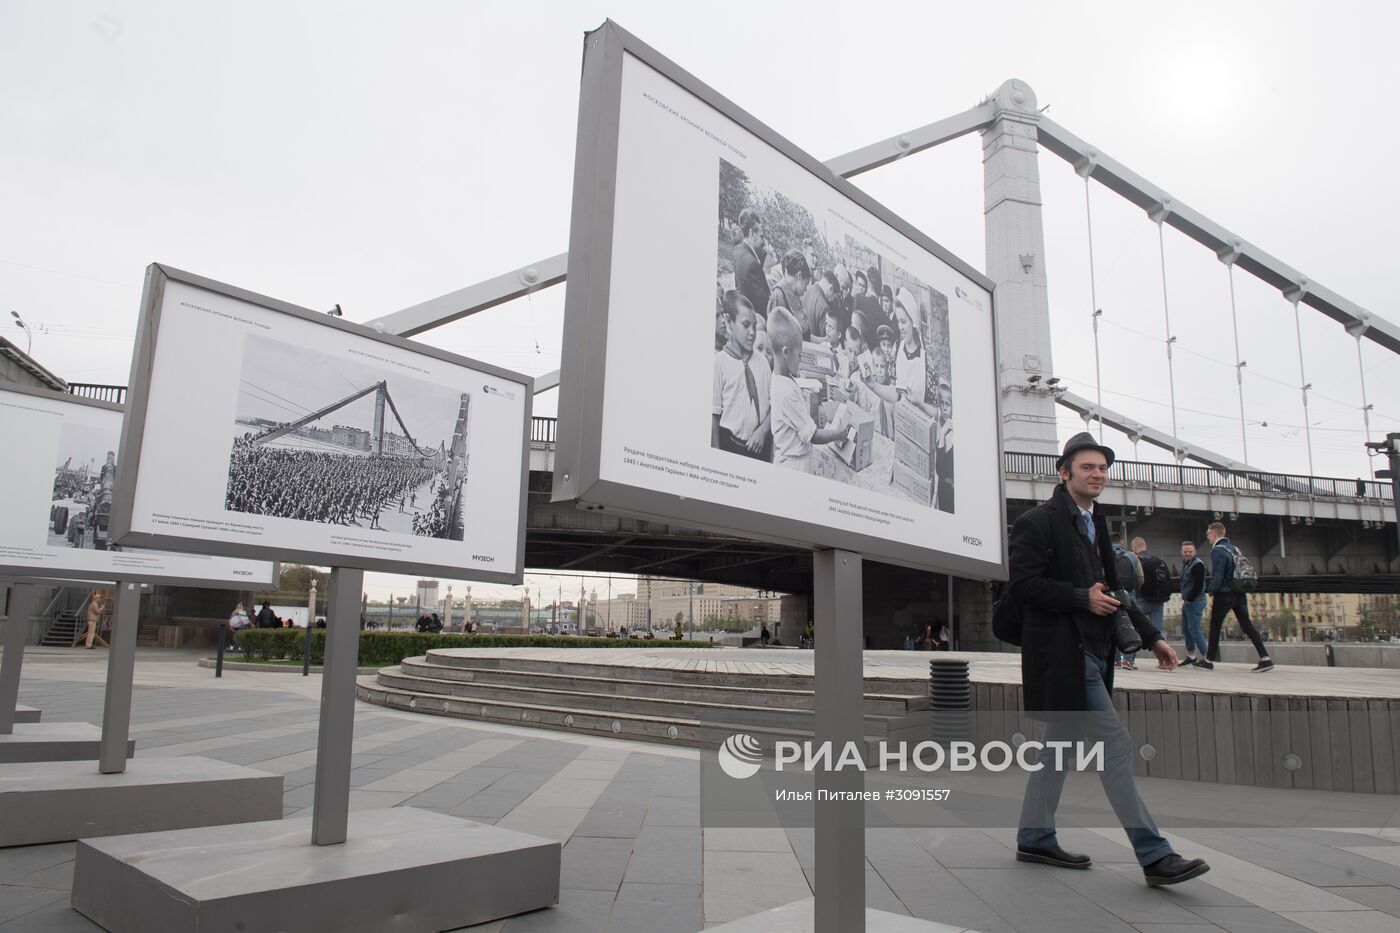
{"x":1062,"y":575}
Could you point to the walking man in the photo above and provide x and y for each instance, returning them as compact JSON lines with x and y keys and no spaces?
{"x":1193,"y":606}
{"x":1156,"y":586}
{"x":1225,"y":598}
{"x":1062,"y":570}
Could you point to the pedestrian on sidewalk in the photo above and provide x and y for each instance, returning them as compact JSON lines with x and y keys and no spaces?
{"x":1193,"y":606}
{"x":1226,"y":598}
{"x":1062,"y":570}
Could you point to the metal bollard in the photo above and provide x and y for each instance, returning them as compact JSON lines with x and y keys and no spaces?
{"x":950,"y":699}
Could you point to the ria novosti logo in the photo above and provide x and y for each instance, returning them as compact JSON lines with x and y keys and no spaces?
{"x":740,"y":756}
{"x":964,"y":296}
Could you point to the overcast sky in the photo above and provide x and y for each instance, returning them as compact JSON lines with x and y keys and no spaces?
{"x":377,"y":155}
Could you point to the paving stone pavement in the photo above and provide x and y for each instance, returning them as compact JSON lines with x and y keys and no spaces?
{"x":636,"y":856}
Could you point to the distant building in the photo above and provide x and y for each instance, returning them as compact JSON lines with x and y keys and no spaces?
{"x":353,"y":438}
{"x":428,"y":594}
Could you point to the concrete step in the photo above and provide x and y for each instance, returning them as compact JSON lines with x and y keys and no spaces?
{"x":691,"y":703}
{"x":569,"y":718}
{"x":638,"y":683}
{"x":481,"y":661}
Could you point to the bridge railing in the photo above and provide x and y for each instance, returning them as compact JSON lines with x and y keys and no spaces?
{"x":543,"y":430}
{"x":102,"y":393}
{"x":1208,"y":479}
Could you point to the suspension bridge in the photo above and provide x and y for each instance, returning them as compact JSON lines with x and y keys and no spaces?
{"x":1308,"y":532}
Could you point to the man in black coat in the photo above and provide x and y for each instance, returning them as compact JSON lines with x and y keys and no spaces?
{"x":1061,"y":575}
{"x":749,"y":276}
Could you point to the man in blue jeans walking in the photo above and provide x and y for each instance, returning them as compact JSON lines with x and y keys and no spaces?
{"x":1062,"y":570}
{"x":1193,"y":606}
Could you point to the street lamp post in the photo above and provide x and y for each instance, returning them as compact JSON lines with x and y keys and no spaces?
{"x":29,"y":334}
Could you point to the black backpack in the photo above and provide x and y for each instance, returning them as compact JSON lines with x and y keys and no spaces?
{"x":1156,"y":579}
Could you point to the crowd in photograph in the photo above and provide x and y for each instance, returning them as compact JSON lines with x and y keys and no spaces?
{"x":785,"y":309}
{"x":314,"y":486}
{"x":437,"y":520}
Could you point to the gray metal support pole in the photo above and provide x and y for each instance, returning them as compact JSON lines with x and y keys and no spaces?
{"x":330,"y":812}
{"x":121,"y":668}
{"x":16,"y":631}
{"x":840,"y":718}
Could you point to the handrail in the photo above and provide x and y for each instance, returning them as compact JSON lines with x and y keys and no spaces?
{"x":1139,"y":473}
{"x":102,"y":393}
{"x":1144,"y":473}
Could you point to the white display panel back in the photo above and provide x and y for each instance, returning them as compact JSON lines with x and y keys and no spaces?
{"x":259,"y":427}
{"x":684,"y":432}
{"x":57,"y":480}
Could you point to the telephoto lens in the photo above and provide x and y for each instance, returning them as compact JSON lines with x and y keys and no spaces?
{"x":1125,"y":634}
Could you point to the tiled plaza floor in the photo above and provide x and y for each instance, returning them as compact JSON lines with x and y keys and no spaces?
{"x":635,"y":855}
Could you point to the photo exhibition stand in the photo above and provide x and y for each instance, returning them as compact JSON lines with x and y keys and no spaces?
{"x":21,"y":607}
{"x":400,"y":868}
{"x":32,"y":741}
{"x":49,"y":790}
{"x":838,"y":904}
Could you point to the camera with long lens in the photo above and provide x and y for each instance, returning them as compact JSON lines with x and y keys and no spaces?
{"x":1125,"y":634}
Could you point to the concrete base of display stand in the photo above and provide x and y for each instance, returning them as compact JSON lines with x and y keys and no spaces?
{"x":54,"y":741}
{"x":797,"y":917}
{"x":56,"y":801}
{"x":27,"y":714}
{"x":401,"y":869}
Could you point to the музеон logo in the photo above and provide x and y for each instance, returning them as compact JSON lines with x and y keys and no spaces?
{"x":741,"y":756}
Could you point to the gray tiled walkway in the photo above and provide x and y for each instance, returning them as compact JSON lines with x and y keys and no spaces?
{"x":635,"y":857}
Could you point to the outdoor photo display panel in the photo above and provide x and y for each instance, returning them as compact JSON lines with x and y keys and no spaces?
{"x":265,"y":428}
{"x":58,"y":478}
{"x":779,"y":351}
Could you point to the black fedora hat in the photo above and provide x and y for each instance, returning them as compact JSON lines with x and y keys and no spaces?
{"x":1083,"y":441}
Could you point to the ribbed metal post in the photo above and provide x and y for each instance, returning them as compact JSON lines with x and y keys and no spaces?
{"x":950,"y":699}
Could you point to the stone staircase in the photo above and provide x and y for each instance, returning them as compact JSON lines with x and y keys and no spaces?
{"x":682,"y":707}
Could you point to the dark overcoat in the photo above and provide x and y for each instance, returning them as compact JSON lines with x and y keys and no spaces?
{"x":1052,"y":570}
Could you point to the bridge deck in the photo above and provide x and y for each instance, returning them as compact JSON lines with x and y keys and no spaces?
{"x":985,"y":667}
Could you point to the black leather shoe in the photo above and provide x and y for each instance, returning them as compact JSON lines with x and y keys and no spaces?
{"x":1052,"y":855}
{"x":1173,"y":869}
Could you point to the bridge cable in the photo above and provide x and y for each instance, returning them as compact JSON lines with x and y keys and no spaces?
{"x":1166,"y":317}
{"x":1239,"y":363}
{"x":1094,"y":306}
{"x":1365,"y":406}
{"x":1302,"y":374}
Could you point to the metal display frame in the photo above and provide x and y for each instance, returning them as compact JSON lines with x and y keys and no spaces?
{"x":45,"y":575}
{"x":838,"y":555}
{"x":578,"y":452}
{"x":138,"y":398}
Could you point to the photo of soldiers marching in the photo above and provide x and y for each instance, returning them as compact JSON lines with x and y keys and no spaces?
{"x":341,"y":463}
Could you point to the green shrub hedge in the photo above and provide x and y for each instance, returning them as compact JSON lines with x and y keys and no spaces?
{"x":379,"y":649}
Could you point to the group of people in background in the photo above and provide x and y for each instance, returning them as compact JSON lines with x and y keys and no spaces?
{"x":781,"y":298}
{"x":1147,"y":580}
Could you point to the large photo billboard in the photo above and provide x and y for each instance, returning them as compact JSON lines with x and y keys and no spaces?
{"x":754,"y":345}
{"x":58,"y":479}
{"x":260,"y":427}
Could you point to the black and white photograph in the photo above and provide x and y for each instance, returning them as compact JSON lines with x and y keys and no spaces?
{"x":84,"y":478}
{"x":335,"y":441}
{"x":829,"y":358}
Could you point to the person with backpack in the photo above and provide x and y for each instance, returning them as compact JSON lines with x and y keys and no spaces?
{"x":1058,"y":610}
{"x":1193,"y":606}
{"x":1156,"y":587}
{"x":1232,"y":576}
{"x":1130,"y":577}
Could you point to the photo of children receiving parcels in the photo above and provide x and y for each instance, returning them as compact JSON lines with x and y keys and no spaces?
{"x":829,"y":358}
